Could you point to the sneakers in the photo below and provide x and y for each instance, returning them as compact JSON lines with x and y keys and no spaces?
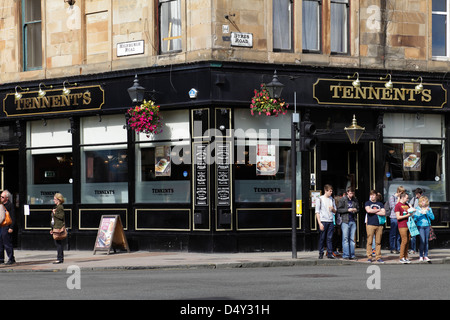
{"x":426,"y":259}
{"x":380,"y":261}
{"x":403,"y":260}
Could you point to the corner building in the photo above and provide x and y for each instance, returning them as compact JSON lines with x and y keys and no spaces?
{"x":78,"y":143}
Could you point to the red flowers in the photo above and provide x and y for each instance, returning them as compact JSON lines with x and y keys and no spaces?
{"x":262,"y":103}
{"x":145,"y":118}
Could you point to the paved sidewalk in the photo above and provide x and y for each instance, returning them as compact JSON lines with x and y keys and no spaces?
{"x":37,"y":260}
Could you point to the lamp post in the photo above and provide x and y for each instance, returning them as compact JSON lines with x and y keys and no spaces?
{"x":275,"y":88}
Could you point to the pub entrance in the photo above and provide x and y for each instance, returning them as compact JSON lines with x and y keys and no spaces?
{"x":341,"y":165}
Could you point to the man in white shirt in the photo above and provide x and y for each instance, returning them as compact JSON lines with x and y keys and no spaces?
{"x":325,"y":211}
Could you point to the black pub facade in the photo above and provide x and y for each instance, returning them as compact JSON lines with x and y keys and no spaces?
{"x":213,"y":197}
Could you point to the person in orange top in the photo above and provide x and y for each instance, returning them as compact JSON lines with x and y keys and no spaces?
{"x":403,"y":212}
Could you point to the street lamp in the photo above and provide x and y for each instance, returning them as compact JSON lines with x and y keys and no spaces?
{"x":136,"y":92}
{"x":354,"y":132}
{"x":275,"y":88}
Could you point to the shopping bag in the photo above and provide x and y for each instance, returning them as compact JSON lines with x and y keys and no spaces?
{"x":412,"y":227}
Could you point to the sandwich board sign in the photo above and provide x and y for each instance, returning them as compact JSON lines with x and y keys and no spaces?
{"x":110,"y":234}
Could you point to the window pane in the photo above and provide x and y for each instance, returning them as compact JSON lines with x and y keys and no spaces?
{"x":160,"y":178}
{"x":439,"y":5}
{"x":32,"y":10}
{"x":439,"y":35}
{"x":310,"y":29}
{"x":339,"y":23}
{"x":282,"y":24}
{"x":170,"y":26}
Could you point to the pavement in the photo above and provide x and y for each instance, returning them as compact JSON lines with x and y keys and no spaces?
{"x":42,"y":260}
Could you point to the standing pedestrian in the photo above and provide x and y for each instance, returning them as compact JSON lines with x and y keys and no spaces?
{"x":422,"y":217}
{"x":7,"y":230}
{"x":348,"y":208}
{"x":58,"y":221}
{"x":403,"y":212}
{"x":414,"y":203}
{"x":325,"y":211}
{"x":374,"y":208}
{"x":394,"y":235}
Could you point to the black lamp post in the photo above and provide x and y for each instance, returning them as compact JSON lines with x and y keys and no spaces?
{"x":136,"y":91}
{"x":275,"y":88}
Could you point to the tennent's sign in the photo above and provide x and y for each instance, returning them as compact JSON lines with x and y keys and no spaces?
{"x":374,"y":93}
{"x":54,"y":101}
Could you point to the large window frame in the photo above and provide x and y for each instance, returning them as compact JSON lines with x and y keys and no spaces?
{"x":170,"y":26}
{"x":339,"y":25}
{"x":440,"y":29}
{"x":312,"y":25}
{"x":282,"y":20}
{"x":32,"y":34}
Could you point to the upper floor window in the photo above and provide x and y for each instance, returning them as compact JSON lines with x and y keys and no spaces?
{"x":282,"y":25}
{"x":31,"y":34}
{"x":169,"y":25}
{"x":440,"y":28}
{"x":339,"y":26}
{"x":311,"y":18}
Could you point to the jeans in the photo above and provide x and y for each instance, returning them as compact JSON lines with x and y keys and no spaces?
{"x":348,"y":239}
{"x":6,"y":245}
{"x":394,"y":236}
{"x":424,"y":233}
{"x":326,"y":236}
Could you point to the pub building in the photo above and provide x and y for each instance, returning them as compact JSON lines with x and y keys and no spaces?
{"x":70,"y":135}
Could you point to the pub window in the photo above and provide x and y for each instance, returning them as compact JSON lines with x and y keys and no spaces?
{"x":49,"y":161}
{"x":282,"y":25}
{"x":104,"y":160}
{"x":163,"y":162}
{"x":261,"y":158}
{"x":311,"y":21}
{"x":414,"y":154}
{"x":339,"y":26}
{"x":170,"y":25}
{"x":31,"y":34}
{"x":440,"y":28}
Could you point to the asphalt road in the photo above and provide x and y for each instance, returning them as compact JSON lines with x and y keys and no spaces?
{"x":351,"y":282}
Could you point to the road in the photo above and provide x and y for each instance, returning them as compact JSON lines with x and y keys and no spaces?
{"x":359,"y":281}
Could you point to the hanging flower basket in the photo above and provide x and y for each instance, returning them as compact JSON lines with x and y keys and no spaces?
{"x":145,"y":118}
{"x":262,"y":103}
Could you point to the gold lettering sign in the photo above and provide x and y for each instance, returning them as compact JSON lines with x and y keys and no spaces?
{"x":374,"y":93}
{"x":79,"y":99}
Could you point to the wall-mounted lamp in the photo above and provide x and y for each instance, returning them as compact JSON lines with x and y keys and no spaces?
{"x":275,"y":87}
{"x":41,"y":93}
{"x":70,"y":2}
{"x":356,"y":83}
{"x":66,"y":91}
{"x":388,"y":84}
{"x":418,"y":87}
{"x":136,"y":91}
{"x":354,"y":132}
{"x":18,"y":95}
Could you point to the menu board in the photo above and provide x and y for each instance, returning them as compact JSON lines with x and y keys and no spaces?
{"x":201,"y":175}
{"x":110,"y":234}
{"x":223,"y":174}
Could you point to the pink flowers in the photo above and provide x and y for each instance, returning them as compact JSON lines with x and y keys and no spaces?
{"x":262,"y":103}
{"x":145,"y":118}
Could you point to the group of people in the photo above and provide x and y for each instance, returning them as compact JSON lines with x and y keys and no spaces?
{"x":8,"y":223}
{"x":399,"y":210}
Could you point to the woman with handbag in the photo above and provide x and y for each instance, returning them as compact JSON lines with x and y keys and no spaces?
{"x":422,"y":216}
{"x":403,"y":212}
{"x":58,"y":230}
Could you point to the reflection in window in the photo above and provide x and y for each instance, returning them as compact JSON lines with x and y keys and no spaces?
{"x":106,"y":166}
{"x":440,"y":28}
{"x":170,"y":25}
